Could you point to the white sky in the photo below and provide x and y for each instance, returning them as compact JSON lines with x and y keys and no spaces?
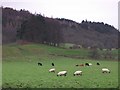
{"x":93,"y":10}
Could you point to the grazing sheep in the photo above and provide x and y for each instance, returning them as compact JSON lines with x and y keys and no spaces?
{"x":53,"y":64}
{"x":86,"y":64}
{"x":62,"y":73}
{"x":77,"y":73}
{"x":81,"y":64}
{"x":52,"y":70}
{"x":98,"y":63}
{"x":76,"y":65}
{"x":39,"y":64}
{"x":90,"y":64}
{"x":105,"y":70}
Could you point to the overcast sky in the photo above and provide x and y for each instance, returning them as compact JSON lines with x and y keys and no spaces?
{"x":93,"y":10}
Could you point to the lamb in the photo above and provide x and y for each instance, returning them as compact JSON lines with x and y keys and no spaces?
{"x":62,"y":73}
{"x":105,"y":70}
{"x":98,"y":63}
{"x":86,"y":64}
{"x":81,"y":64}
{"x":53,"y":64}
{"x":39,"y":64}
{"x":52,"y":70}
{"x":76,"y":65}
{"x":77,"y":73}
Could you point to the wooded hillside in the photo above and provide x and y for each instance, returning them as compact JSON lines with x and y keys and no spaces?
{"x":37,"y":28}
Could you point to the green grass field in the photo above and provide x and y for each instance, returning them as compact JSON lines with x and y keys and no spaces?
{"x":20,"y":69}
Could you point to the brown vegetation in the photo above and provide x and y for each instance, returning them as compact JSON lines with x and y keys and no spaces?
{"x":39,"y":29}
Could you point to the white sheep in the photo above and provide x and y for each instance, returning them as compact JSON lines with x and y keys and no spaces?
{"x":77,"y":73}
{"x":52,"y":70}
{"x":62,"y":73}
{"x":90,"y":64}
{"x":105,"y":70}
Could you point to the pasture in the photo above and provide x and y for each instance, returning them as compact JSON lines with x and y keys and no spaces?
{"x":21,"y":70}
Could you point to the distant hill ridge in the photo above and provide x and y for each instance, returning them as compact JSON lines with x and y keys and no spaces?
{"x":86,"y":33}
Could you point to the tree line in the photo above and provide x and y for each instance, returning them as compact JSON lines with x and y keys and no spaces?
{"x":98,"y":26}
{"x":40,"y":30}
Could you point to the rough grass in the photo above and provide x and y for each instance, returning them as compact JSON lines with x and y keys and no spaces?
{"x":20,"y":69}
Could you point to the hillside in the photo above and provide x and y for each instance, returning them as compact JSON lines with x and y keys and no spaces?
{"x":86,"y":33}
{"x":11,"y":21}
{"x":89,"y":33}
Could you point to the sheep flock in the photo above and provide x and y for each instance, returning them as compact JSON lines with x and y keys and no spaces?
{"x":75,"y":73}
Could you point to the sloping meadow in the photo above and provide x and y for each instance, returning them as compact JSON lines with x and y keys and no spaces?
{"x":21,"y":70}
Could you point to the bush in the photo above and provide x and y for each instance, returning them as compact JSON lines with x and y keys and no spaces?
{"x":94,"y":54}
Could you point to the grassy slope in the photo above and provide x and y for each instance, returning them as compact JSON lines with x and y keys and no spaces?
{"x":34,"y":49}
{"x":20,"y":68}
